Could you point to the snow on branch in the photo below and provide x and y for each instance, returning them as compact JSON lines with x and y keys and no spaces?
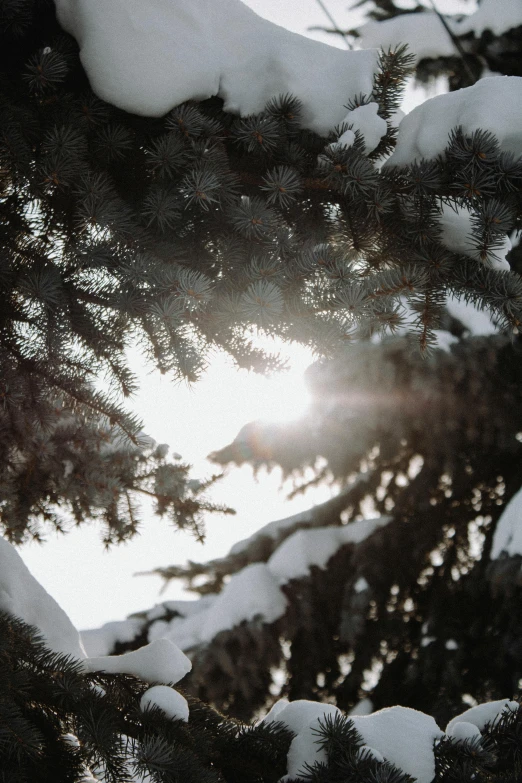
{"x":426,"y":34}
{"x":148,"y":56}
{"x":402,"y":736}
{"x":24,"y":597}
{"x":254,"y":592}
{"x":492,"y":15}
{"x":493,"y":104}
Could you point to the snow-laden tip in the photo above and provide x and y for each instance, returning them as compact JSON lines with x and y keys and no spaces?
{"x":147,"y":56}
{"x":400,"y":735}
{"x":160,"y":661}
{"x":405,"y":737}
{"x":306,"y":548}
{"x":172,"y":703}
{"x":481,"y":714}
{"x":24,"y":597}
{"x":493,"y":104}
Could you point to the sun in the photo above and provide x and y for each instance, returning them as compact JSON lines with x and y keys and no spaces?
{"x":282,"y":396}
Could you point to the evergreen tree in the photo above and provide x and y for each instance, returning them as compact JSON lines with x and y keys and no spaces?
{"x":424,"y":608}
{"x":61,"y":724}
{"x":185,"y":233}
{"x":434,"y":444}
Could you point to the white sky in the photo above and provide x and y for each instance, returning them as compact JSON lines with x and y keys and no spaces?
{"x":94,"y":586}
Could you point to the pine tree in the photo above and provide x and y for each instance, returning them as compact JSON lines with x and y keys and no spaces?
{"x":433,"y":443}
{"x":185,"y":233}
{"x":415,"y":612}
{"x":61,"y":724}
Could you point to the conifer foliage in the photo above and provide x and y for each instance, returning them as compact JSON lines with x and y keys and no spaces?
{"x":417,"y":613}
{"x":59,"y":724}
{"x":187,"y":232}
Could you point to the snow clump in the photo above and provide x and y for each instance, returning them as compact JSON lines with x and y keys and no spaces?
{"x":464,"y":731}
{"x":482,"y":714}
{"x":147,"y":56}
{"x":399,"y":735}
{"x":24,"y":597}
{"x":494,"y":104}
{"x":160,"y":661}
{"x":366,"y":120}
{"x":457,"y":226}
{"x":172,"y":703}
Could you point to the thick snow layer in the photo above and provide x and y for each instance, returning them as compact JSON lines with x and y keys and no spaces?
{"x":147,"y":56}
{"x":160,"y":661}
{"x":400,"y":735}
{"x":427,"y":37}
{"x":302,"y":717}
{"x":482,"y":714}
{"x":508,"y":532}
{"x":365,"y":750}
{"x":100,"y":641}
{"x":173,"y":704}
{"x":457,"y":229}
{"x":252,"y":592}
{"x":363,"y":707}
{"x":366,"y":120}
{"x":462,"y":730}
{"x":493,"y":104}
{"x":405,"y":737}
{"x":307,"y":548}
{"x":23,"y":596}
{"x":492,"y":15}
{"x":424,"y":33}
{"x":273,"y":529}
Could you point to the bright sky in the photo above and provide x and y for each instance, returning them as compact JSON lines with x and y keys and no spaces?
{"x":94,"y":586}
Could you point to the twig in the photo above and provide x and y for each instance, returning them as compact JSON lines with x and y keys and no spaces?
{"x":456,"y":42}
{"x":337,"y":29}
